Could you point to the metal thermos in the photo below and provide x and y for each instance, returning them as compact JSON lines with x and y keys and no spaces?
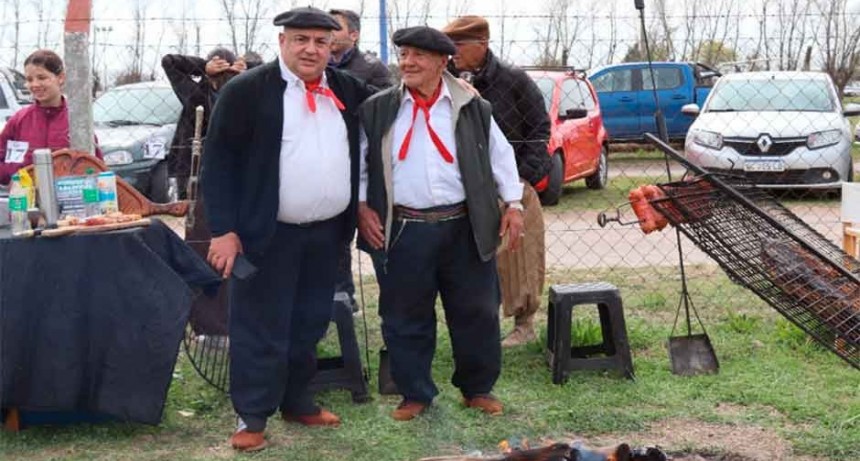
{"x":44,"y":166}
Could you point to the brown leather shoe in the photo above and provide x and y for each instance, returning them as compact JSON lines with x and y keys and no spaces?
{"x":486,"y":403}
{"x":323,"y":418}
{"x":248,"y":441}
{"x":408,"y":409}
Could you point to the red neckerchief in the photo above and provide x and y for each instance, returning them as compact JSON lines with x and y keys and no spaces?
{"x":314,"y":87}
{"x":425,"y":105}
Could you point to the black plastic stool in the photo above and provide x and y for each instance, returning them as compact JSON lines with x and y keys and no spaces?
{"x":614,"y":351}
{"x":343,"y":372}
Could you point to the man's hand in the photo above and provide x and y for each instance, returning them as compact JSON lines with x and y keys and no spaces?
{"x":369,"y":226}
{"x":222,"y":253}
{"x":216,"y":65}
{"x":512,"y":225}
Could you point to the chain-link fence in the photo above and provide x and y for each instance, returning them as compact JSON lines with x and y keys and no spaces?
{"x":783,"y":131}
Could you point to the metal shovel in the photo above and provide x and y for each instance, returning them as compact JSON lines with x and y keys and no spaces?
{"x":692,"y":354}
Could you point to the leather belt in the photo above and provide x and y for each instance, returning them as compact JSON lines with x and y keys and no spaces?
{"x":431,"y":215}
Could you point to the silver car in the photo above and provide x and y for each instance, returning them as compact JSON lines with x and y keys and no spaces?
{"x":777,"y":129}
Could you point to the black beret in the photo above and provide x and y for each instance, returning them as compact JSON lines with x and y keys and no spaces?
{"x":425,"y":38}
{"x":306,"y":17}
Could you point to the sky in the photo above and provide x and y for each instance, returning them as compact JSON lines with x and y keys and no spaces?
{"x":168,"y":20}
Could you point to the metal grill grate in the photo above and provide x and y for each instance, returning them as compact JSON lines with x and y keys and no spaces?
{"x":766,"y":248}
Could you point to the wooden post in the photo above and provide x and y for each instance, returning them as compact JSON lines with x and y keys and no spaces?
{"x":79,"y":81}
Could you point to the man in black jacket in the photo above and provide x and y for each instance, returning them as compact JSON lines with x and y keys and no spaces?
{"x":345,"y":54}
{"x":519,"y":107}
{"x":280,"y":181}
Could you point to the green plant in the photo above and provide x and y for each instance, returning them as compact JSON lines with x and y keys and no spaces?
{"x":788,"y":334}
{"x":742,"y":323}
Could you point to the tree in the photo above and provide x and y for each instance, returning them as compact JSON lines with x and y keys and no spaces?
{"x":636,"y":52}
{"x":557,"y":39}
{"x":713,"y":53}
{"x":839,"y":44}
{"x":243,"y":22}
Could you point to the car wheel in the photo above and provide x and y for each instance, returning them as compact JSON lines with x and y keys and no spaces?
{"x":158,"y":183}
{"x":551,"y":195}
{"x":600,"y":178}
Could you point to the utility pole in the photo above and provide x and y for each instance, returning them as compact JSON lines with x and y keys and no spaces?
{"x":79,"y":82}
{"x":383,"y":32}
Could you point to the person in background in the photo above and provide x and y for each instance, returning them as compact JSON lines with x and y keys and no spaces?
{"x":345,"y":54}
{"x":433,"y":168}
{"x":196,"y":82}
{"x":280,"y":183}
{"x":518,"y":105}
{"x":43,"y":124}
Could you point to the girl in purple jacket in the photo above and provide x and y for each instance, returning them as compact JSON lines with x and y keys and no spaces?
{"x":43,"y":124}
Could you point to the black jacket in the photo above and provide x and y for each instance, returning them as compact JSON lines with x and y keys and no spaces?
{"x":187,"y":75}
{"x":240,"y":175}
{"x":364,"y":66}
{"x":518,"y":108}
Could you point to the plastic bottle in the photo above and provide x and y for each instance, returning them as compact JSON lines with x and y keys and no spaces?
{"x":92,"y":203}
{"x":107,"y":192}
{"x":18,"y":206}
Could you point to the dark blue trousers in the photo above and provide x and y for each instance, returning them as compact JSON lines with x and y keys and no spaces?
{"x":426,"y":259}
{"x":278,"y":317}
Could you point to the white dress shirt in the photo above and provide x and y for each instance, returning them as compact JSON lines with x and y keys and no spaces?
{"x":424,"y":179}
{"x":315,"y":163}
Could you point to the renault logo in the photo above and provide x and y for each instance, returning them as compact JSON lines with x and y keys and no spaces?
{"x":764,"y":143}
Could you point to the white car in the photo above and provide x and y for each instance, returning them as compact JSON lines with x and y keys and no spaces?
{"x":776,"y":129}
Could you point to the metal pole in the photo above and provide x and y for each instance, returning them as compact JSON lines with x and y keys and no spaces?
{"x":79,"y":82}
{"x":383,"y":32}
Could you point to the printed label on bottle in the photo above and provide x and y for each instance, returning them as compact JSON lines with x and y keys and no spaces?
{"x":91,"y":195}
{"x":18,"y":203}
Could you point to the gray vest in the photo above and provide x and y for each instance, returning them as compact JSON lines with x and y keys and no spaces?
{"x":472,"y":134}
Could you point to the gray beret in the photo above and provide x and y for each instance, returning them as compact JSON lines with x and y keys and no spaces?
{"x":306,"y":17}
{"x":425,"y":38}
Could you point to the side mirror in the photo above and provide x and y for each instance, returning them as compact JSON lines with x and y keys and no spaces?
{"x":572,"y":114}
{"x":851,"y":109}
{"x":690,"y":109}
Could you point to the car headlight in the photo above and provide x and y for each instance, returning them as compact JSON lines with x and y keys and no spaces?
{"x":708,"y":139}
{"x":823,"y":139}
{"x":118,"y":157}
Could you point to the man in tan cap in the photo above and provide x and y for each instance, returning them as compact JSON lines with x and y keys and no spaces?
{"x":518,"y":107}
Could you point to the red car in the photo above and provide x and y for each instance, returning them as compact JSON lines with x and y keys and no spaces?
{"x":578,"y":142}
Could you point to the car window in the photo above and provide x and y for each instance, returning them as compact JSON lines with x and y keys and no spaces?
{"x":758,"y":95}
{"x":546,"y":85}
{"x":3,"y":103}
{"x":614,"y":80}
{"x":667,"y":78}
{"x":575,"y":95}
{"x":155,"y":106}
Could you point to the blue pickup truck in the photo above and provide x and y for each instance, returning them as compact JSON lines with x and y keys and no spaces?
{"x":626,"y":96}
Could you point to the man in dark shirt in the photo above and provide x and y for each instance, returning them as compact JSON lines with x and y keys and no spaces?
{"x":518,"y":106}
{"x":345,"y":54}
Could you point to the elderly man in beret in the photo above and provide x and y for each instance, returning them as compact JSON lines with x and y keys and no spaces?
{"x":434,"y":166}
{"x":280,"y":182}
{"x":518,"y":105}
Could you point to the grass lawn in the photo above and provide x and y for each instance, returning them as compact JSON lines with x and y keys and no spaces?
{"x":773,"y":386}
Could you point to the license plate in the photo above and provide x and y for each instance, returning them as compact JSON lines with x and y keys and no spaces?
{"x":764,"y":166}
